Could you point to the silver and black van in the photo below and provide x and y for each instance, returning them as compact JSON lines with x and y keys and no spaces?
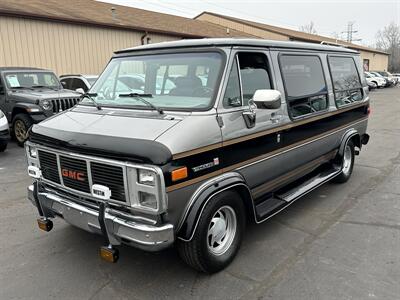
{"x":183,"y":143}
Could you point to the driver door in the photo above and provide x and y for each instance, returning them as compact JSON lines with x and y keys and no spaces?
{"x":245,"y":143}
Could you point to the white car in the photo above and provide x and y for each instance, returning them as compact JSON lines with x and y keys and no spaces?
{"x":379,"y":81}
{"x":4,"y":132}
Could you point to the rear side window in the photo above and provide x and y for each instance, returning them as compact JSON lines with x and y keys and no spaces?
{"x":345,"y":79}
{"x":305,"y":85}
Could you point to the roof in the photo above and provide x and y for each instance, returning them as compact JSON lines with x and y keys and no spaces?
{"x":237,"y":42}
{"x":10,"y":69}
{"x":97,"y":13}
{"x":293,"y":34}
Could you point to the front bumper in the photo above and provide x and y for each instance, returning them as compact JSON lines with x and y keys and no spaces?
{"x":119,"y":229}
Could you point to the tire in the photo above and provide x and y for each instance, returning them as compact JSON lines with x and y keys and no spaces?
{"x":20,"y":126}
{"x":347,"y":162}
{"x":201,"y":252}
{"x":3,"y":147}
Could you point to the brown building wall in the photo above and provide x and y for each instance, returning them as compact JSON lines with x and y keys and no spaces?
{"x":377,"y":62}
{"x":63,"y":47}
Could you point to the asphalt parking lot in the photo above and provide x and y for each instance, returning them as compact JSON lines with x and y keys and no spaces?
{"x":339,"y":242}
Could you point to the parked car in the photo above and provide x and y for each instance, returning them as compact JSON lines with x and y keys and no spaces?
{"x":389,"y":81}
{"x":4,"y":133}
{"x":79,"y":83}
{"x":389,"y":76}
{"x":372,"y":78}
{"x":371,"y":85}
{"x":191,"y":165}
{"x":30,"y":95}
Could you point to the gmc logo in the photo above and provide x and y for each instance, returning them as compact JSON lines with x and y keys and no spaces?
{"x":80,"y":176}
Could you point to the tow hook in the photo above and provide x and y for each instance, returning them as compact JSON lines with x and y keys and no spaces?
{"x":108,"y":253}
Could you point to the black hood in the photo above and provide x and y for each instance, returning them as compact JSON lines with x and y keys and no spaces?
{"x":110,"y":136}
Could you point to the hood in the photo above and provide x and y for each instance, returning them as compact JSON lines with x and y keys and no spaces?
{"x":119,"y":135}
{"x":42,"y":94}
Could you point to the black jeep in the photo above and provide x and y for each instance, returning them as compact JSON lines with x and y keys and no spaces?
{"x":30,"y":95}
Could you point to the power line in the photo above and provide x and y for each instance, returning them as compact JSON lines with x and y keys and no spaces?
{"x":350,"y":31}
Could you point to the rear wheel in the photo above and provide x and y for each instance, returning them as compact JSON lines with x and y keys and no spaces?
{"x":347,"y":161}
{"x":218,"y":235}
{"x":21,"y":124}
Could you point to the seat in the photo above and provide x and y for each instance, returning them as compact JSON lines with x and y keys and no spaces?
{"x":185,"y":86}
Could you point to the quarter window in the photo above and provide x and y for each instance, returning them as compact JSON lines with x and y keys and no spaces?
{"x":346,"y":82}
{"x":306,"y":89}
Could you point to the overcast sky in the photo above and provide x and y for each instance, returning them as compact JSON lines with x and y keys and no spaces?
{"x":328,"y":16}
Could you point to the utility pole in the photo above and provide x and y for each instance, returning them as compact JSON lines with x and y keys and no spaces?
{"x":350,"y":31}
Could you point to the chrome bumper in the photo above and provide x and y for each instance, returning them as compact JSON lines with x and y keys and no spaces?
{"x":119,"y":230}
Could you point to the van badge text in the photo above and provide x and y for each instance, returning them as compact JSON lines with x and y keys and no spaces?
{"x":215,"y":162}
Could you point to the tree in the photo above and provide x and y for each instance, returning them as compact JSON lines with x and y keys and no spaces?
{"x":388,"y":40}
{"x":309,"y":28}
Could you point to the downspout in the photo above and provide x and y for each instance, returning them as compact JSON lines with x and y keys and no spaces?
{"x":143,"y":37}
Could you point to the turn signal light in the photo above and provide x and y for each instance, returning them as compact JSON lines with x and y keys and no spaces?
{"x":45,"y":224}
{"x":179,"y":174}
{"x":109,"y":254}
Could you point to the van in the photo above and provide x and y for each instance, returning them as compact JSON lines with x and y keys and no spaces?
{"x":206,"y":136}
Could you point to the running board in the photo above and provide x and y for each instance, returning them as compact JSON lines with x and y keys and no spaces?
{"x":309,"y":185}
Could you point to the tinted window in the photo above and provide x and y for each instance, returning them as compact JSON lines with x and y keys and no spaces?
{"x":254,"y":76}
{"x":66,"y":83}
{"x":305,"y":84}
{"x":346,"y":82}
{"x":79,"y":84}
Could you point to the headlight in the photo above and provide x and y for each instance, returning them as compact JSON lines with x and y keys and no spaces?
{"x":147,"y":177}
{"x":146,"y":189}
{"x":46,"y":104}
{"x":32,"y":152}
{"x":1,"y":114}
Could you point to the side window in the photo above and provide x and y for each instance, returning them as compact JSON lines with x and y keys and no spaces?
{"x":79,"y":84}
{"x":305,"y":85}
{"x":254,"y":76}
{"x":66,"y":83}
{"x":345,"y":79}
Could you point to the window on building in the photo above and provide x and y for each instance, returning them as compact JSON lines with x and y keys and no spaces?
{"x":346,"y":81}
{"x":305,"y":85}
{"x":254,"y":76}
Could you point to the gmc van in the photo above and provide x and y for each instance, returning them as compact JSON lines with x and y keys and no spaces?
{"x":182,"y":143}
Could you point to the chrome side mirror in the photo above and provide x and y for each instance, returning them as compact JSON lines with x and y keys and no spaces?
{"x":267,"y":99}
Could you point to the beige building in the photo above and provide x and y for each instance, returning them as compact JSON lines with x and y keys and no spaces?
{"x":373,"y":59}
{"x":79,"y":36}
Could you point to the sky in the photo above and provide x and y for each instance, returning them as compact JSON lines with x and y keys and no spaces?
{"x":328,"y":16}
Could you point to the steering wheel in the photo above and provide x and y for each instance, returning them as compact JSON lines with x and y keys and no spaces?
{"x":202,"y":91}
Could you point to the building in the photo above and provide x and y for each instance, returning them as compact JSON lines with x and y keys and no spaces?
{"x":372,"y":59}
{"x":79,"y":36}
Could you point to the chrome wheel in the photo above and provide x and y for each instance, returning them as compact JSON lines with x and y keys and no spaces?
{"x":20,"y":130}
{"x":221,"y":230}
{"x":347,"y":160}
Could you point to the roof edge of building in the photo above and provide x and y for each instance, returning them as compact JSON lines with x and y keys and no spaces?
{"x":244,"y":22}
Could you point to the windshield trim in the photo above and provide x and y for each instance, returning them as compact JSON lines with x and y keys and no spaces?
{"x":218,"y":82}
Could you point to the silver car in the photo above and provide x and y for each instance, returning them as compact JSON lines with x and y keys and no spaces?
{"x":4,"y":132}
{"x":218,"y":132}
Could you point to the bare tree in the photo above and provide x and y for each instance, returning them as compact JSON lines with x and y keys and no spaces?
{"x":388,"y":39}
{"x":309,"y":28}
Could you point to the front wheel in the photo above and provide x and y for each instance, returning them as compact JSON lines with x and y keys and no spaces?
{"x":218,"y":235}
{"x":21,"y":124}
{"x":347,"y":164}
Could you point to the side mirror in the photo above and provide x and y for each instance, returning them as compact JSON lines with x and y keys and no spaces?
{"x":268,"y":99}
{"x":80,"y":91}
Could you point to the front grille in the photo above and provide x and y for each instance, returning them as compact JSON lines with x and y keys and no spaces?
{"x":49,"y":166}
{"x":110,"y":176}
{"x":64,"y":104}
{"x":74,"y":174}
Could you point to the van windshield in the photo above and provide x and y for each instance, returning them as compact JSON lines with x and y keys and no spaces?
{"x":179,"y":81}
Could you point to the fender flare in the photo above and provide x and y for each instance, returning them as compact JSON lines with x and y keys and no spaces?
{"x":190,"y":218}
{"x":350,"y":134}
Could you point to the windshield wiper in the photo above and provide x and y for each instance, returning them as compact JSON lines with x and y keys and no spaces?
{"x":140,"y":98}
{"x":89,"y":96}
{"x":38,"y":86}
